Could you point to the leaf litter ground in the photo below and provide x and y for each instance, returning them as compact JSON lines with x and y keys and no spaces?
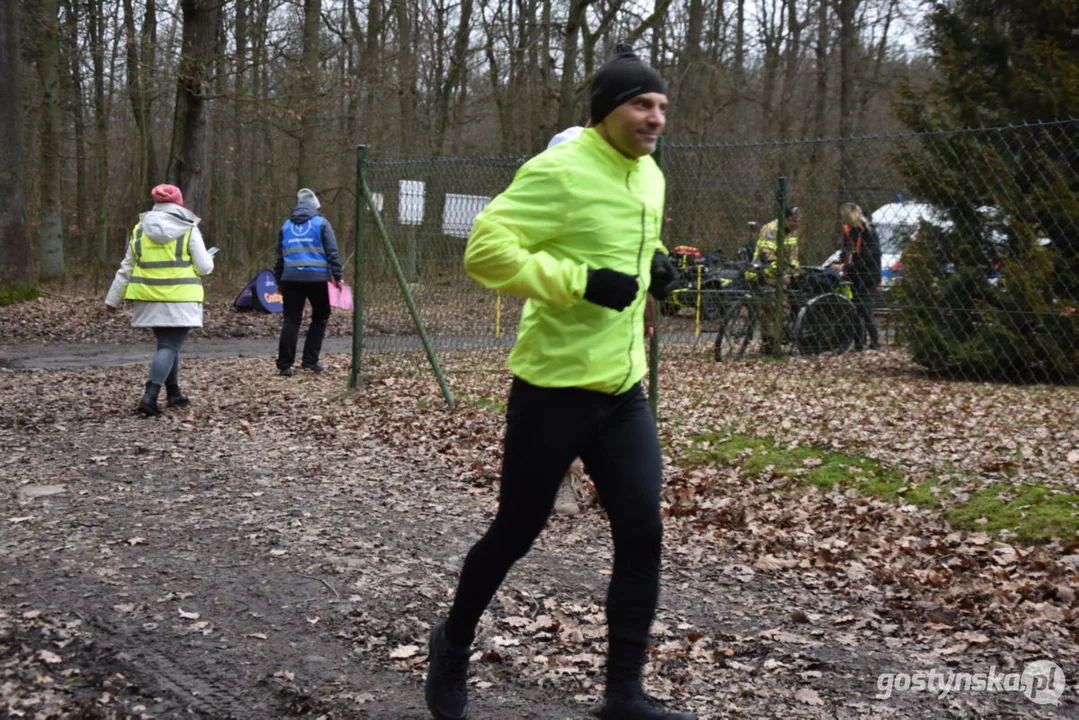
{"x":282,"y":547}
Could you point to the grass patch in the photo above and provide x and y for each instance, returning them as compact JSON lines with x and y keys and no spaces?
{"x":497,"y":404}
{"x":11,"y":293}
{"x":1023,"y":513}
{"x":1033,"y":513}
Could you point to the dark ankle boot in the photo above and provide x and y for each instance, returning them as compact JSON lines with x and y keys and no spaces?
{"x":148,"y":404}
{"x":636,"y":706}
{"x":176,"y":399}
{"x":446,"y":690}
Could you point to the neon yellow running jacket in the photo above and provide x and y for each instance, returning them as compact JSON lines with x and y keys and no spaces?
{"x":580,"y":205}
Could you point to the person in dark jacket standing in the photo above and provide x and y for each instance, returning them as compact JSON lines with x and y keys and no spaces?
{"x":307,"y":260}
{"x":860,"y":263}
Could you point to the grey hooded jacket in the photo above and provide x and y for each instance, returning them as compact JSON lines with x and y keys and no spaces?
{"x":165,"y":222}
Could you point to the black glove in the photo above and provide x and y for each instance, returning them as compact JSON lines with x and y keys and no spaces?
{"x":611,"y":288}
{"x":665,"y":277}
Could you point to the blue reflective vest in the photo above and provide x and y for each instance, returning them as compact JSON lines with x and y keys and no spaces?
{"x":301,"y":248}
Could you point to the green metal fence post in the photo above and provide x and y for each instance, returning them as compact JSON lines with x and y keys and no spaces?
{"x":358,"y":261}
{"x":409,"y":300}
{"x":781,"y":267}
{"x":653,"y":342}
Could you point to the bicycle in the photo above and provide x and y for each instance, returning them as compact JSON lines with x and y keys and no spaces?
{"x":816,"y":319}
{"x":701,"y":276}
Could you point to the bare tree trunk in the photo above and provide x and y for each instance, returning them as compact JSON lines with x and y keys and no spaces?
{"x":457,"y":65}
{"x":218,"y":192}
{"x":544,"y":120}
{"x":869,"y":87}
{"x":820,"y":94}
{"x":790,"y":70}
{"x":740,"y":47}
{"x":496,"y":90}
{"x":406,"y":73}
{"x":78,"y":112}
{"x":692,"y":74}
{"x":261,"y":204}
{"x":16,"y":253}
{"x":138,"y":91}
{"x":96,"y":27}
{"x":355,"y":78}
{"x":772,"y":23}
{"x":372,"y":54}
{"x":658,"y":24}
{"x":187,"y":155}
{"x":309,"y":77}
{"x":820,"y":55}
{"x":848,"y":41}
{"x":47,"y":55}
{"x":567,"y":95}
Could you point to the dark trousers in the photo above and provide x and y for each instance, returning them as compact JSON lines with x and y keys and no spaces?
{"x":165,"y":366}
{"x":865,"y":306}
{"x":615,"y":436}
{"x":295,"y":294}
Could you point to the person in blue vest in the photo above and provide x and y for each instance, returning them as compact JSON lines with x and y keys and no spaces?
{"x":307,"y":260}
{"x":162,"y":275}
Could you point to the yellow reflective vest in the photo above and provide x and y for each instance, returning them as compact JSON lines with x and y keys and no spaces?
{"x":163,"y":272}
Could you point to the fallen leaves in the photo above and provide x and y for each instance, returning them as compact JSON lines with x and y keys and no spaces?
{"x":404,"y":652}
{"x":49,"y":657}
{"x":766,"y":582}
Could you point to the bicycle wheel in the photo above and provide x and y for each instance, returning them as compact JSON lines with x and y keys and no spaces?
{"x":825,"y":325}
{"x":712,"y":301}
{"x":735,"y":331}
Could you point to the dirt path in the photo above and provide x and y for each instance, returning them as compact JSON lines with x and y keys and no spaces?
{"x":252,"y":558}
{"x":86,"y":355}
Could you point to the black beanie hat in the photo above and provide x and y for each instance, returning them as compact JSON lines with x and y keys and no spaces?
{"x":623,"y":77}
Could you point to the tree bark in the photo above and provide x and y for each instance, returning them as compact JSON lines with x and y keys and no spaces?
{"x":78,"y":113}
{"x":187,"y":155}
{"x":740,"y":47}
{"x":138,"y":91}
{"x":453,"y":77}
{"x":869,"y":87}
{"x":790,"y":70}
{"x":406,"y":74}
{"x":16,"y":253}
{"x":772,"y":24}
{"x":693,"y":75}
{"x":47,"y":55}
{"x":848,"y":41}
{"x":309,"y":78}
{"x":96,"y":28}
{"x":568,"y":105}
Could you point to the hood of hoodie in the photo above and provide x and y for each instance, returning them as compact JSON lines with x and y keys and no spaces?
{"x":302,"y":213}
{"x":167,"y":221}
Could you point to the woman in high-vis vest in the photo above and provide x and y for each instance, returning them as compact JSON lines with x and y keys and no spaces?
{"x":161,"y":274}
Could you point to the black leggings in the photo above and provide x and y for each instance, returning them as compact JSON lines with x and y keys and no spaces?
{"x":615,"y":436}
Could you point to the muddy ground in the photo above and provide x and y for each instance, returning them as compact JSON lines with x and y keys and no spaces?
{"x":282,"y":547}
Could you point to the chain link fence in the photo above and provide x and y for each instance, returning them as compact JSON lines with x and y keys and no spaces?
{"x":977,"y":228}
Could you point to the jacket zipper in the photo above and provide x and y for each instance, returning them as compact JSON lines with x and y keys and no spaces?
{"x":640,"y":250}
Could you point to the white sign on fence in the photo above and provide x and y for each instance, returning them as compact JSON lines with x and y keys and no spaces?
{"x":410,"y":206}
{"x":460,"y":212}
{"x":378,"y":197}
